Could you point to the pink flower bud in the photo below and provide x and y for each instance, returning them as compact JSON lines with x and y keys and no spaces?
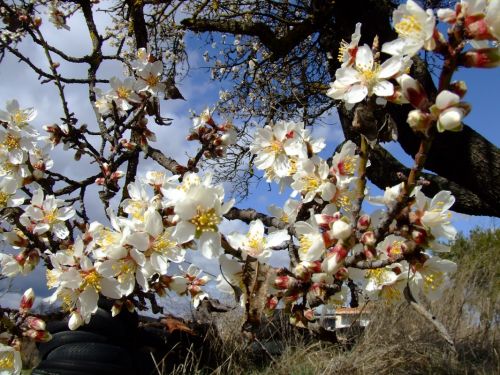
{"x":342,"y":274}
{"x":419,"y":236}
{"x":368,"y":239}
{"x":27,"y":300}
{"x":38,"y":336}
{"x":35,"y":323}
{"x":309,"y":314}
{"x":284,"y":282}
{"x":414,"y":92}
{"x":334,"y":259}
{"x":363,"y":222}
{"x":481,"y":58}
{"x":478,"y":28}
{"x":272,"y":302}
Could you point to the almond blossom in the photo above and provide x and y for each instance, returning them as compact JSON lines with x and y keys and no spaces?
{"x":254,"y":243}
{"x":415,"y":28}
{"x":46,"y":214}
{"x":17,"y":117}
{"x":364,"y":78}
{"x":311,"y":244}
{"x":199,"y":213}
{"x":347,"y":51}
{"x":432,"y":277}
{"x":311,"y":180}
{"x":275,"y":145}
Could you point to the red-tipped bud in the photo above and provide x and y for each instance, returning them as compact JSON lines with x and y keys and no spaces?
{"x":369,"y":252}
{"x":368,"y":239}
{"x":414,"y":92}
{"x":481,"y":58}
{"x":363,"y":222}
{"x":334,"y":259}
{"x":272,"y":302}
{"x":35,"y":323}
{"x":342,"y":274}
{"x":478,"y":28}
{"x":419,"y":236}
{"x":284,"y":282}
{"x":302,"y":272}
{"x":27,"y":300}
{"x":309,"y":314}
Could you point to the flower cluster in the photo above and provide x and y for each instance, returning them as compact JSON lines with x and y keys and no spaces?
{"x":16,"y":325}
{"x":134,"y":254}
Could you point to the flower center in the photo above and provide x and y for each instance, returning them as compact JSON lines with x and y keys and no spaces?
{"x":256,"y":244}
{"x":343,"y":49}
{"x":379,"y":275}
{"x":433,"y":280}
{"x":11,"y":142}
{"x":7,"y":362}
{"x":305,"y":243}
{"x":4,"y":198}
{"x":162,"y":244}
{"x":19,"y":117}
{"x":346,"y":166}
{"x":52,"y":279}
{"x":50,"y":216}
{"x":390,"y":293}
{"x":123,"y":92}
{"x":275,"y":147}
{"x":152,"y":80}
{"x":369,"y":74}
{"x":312,"y":183}
{"x":408,"y":27}
{"x":205,"y":221}
{"x":92,"y":279}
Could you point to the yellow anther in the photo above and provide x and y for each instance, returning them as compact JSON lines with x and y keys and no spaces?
{"x":7,"y":361}
{"x":408,"y":26}
{"x":92,"y":279}
{"x":4,"y":198}
{"x":305,"y":243}
{"x":123,"y":92}
{"x":205,"y":220}
{"x":11,"y":143}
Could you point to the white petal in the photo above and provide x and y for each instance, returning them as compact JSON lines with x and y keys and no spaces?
{"x":383,"y":88}
{"x":356,"y":94}
{"x":446,"y":99}
{"x":364,"y":58}
{"x":184,"y":232}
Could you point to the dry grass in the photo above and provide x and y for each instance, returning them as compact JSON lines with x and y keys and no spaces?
{"x":398,"y":340}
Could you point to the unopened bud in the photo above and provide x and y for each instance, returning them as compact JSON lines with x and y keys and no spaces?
{"x":419,"y":236}
{"x":35,"y":323}
{"x":309,"y":314}
{"x":363,"y":222}
{"x":302,"y":272}
{"x":368,"y":239}
{"x":334,"y":259}
{"x":272,"y":302}
{"x":419,"y":121}
{"x":284,"y":282}
{"x":342,"y":274}
{"x":341,"y":230}
{"x":481,"y":58}
{"x":75,"y":321}
{"x":27,"y":300}
{"x":459,"y":88}
{"x":37,"y":21}
{"x":413,"y":91}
